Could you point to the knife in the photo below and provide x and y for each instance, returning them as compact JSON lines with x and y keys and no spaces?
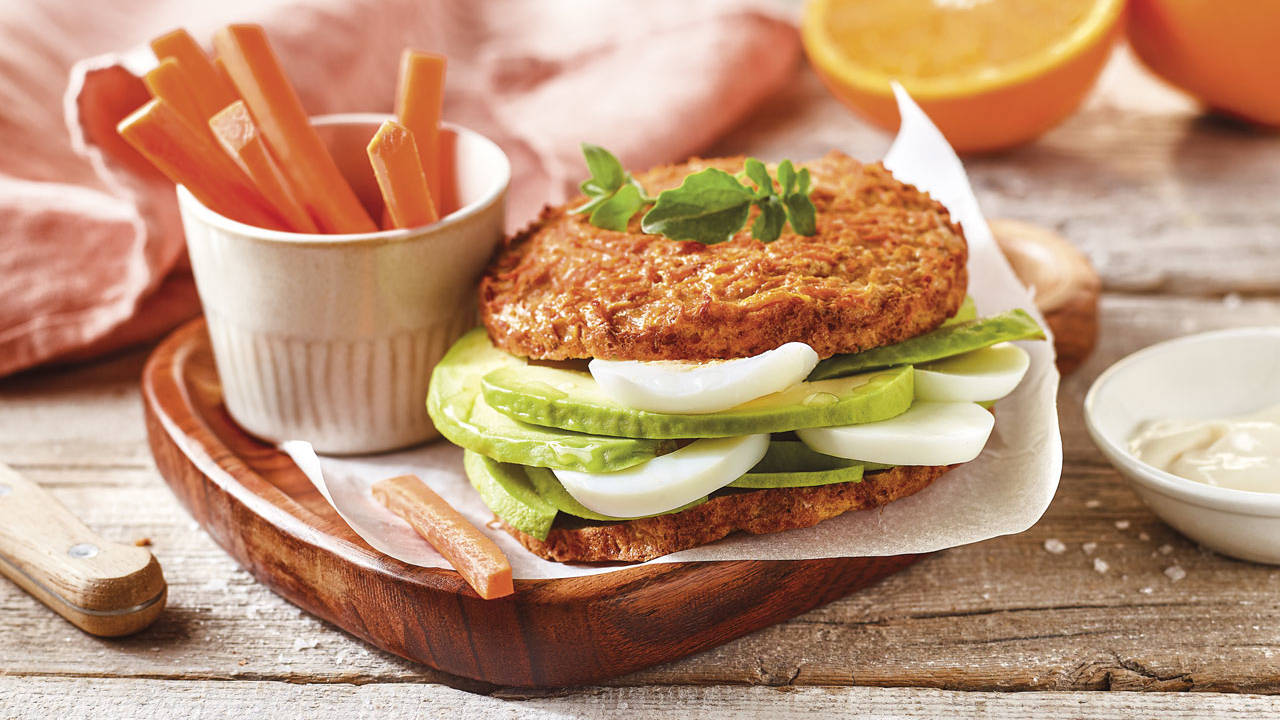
{"x":104,"y":588}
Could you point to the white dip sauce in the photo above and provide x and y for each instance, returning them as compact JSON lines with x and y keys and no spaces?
{"x":1240,"y":452}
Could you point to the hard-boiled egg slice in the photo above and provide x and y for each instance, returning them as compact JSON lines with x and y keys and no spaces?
{"x":703,"y":387}
{"x":667,"y":481}
{"x":977,"y":376}
{"x":929,"y":433}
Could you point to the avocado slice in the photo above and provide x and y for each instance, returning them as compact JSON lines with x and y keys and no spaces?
{"x":764,"y":481}
{"x":786,"y":464}
{"x":968,"y":311}
{"x":793,"y":464}
{"x":508,"y":493}
{"x":793,"y":456}
{"x":572,"y":400}
{"x":946,"y":341}
{"x":459,"y":411}
{"x":551,"y":491}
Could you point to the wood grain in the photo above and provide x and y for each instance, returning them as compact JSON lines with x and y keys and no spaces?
{"x":102,"y":587}
{"x":1005,"y":614}
{"x":1179,"y":216}
{"x":65,"y":698}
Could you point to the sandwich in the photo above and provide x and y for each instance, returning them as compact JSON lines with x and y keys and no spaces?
{"x":721,"y":346}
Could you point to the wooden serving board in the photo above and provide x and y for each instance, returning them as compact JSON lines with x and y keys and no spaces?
{"x":259,"y":507}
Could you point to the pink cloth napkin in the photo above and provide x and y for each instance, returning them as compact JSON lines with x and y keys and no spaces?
{"x":91,"y":250}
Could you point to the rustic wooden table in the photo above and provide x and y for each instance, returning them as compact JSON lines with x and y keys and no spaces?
{"x":1180,"y":215}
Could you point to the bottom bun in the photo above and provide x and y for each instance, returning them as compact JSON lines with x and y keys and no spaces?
{"x":753,"y":511}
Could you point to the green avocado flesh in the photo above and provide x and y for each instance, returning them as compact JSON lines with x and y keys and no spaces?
{"x":572,"y":400}
{"x":793,"y":464}
{"x":794,"y":457}
{"x":509,"y":494}
{"x":458,"y":409}
{"x":961,"y":337}
{"x":968,"y":311}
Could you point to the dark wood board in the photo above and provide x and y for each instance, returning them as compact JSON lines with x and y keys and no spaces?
{"x":259,"y":507}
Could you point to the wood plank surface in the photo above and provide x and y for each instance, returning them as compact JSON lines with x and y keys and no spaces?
{"x":64,"y":698}
{"x":1179,"y":215}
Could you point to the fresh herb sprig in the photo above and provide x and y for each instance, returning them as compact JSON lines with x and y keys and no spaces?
{"x":709,"y":206}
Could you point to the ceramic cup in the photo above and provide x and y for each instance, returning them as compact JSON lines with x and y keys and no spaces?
{"x":1210,"y":375}
{"x":332,"y":338}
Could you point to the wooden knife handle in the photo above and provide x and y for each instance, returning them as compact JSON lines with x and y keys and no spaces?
{"x":103,"y":588}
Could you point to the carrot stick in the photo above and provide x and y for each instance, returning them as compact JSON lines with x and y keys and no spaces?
{"x":236,"y":132}
{"x":170,"y":82}
{"x":257,"y":74}
{"x":221,"y":68}
{"x":398,"y":170}
{"x":446,"y":147}
{"x":419,"y":104}
{"x":211,"y":90}
{"x":189,"y":158}
{"x":477,"y":558}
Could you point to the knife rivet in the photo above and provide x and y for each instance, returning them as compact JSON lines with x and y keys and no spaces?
{"x":5,"y":489}
{"x":83,"y":550}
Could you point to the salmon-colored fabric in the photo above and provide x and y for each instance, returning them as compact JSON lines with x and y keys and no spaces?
{"x":91,"y":251}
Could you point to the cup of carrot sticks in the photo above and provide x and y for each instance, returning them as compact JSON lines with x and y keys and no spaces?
{"x":335,"y":257}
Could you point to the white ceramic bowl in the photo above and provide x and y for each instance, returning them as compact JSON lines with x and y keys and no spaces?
{"x":1210,"y":375}
{"x":332,"y":338}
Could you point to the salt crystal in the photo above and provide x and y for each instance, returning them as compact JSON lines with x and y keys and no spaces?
{"x":1146,"y":590}
{"x":1165,"y":549}
{"x":301,"y":644}
{"x":1091,"y":504}
{"x":1143,"y":537}
{"x":1055,"y":546}
{"x":1100,"y":565}
{"x":1122,"y":524}
{"x":1232,"y":300}
{"x":1175,"y":573}
{"x":1089,"y":547}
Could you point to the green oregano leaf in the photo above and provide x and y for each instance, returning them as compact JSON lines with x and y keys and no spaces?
{"x":595,"y":200}
{"x":709,"y":206}
{"x":768,"y":224}
{"x":801,"y":214}
{"x":786,"y":178}
{"x":759,"y":175}
{"x":616,"y":210}
{"x":607,"y":173}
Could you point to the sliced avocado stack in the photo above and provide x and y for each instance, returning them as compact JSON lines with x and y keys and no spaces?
{"x":519,"y":421}
{"x":460,"y":413}
{"x":572,"y":400}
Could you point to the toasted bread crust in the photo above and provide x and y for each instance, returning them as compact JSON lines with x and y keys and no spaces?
{"x":886,"y":264}
{"x":756,"y":512}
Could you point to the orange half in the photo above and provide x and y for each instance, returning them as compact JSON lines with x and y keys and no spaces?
{"x":990,"y":73}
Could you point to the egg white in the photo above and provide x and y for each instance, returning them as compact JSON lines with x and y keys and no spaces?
{"x":667,"y":481}
{"x":929,"y":433}
{"x":703,"y":387}
{"x":977,"y":376}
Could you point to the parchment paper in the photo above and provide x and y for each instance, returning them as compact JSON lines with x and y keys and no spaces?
{"x":1004,"y":491}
